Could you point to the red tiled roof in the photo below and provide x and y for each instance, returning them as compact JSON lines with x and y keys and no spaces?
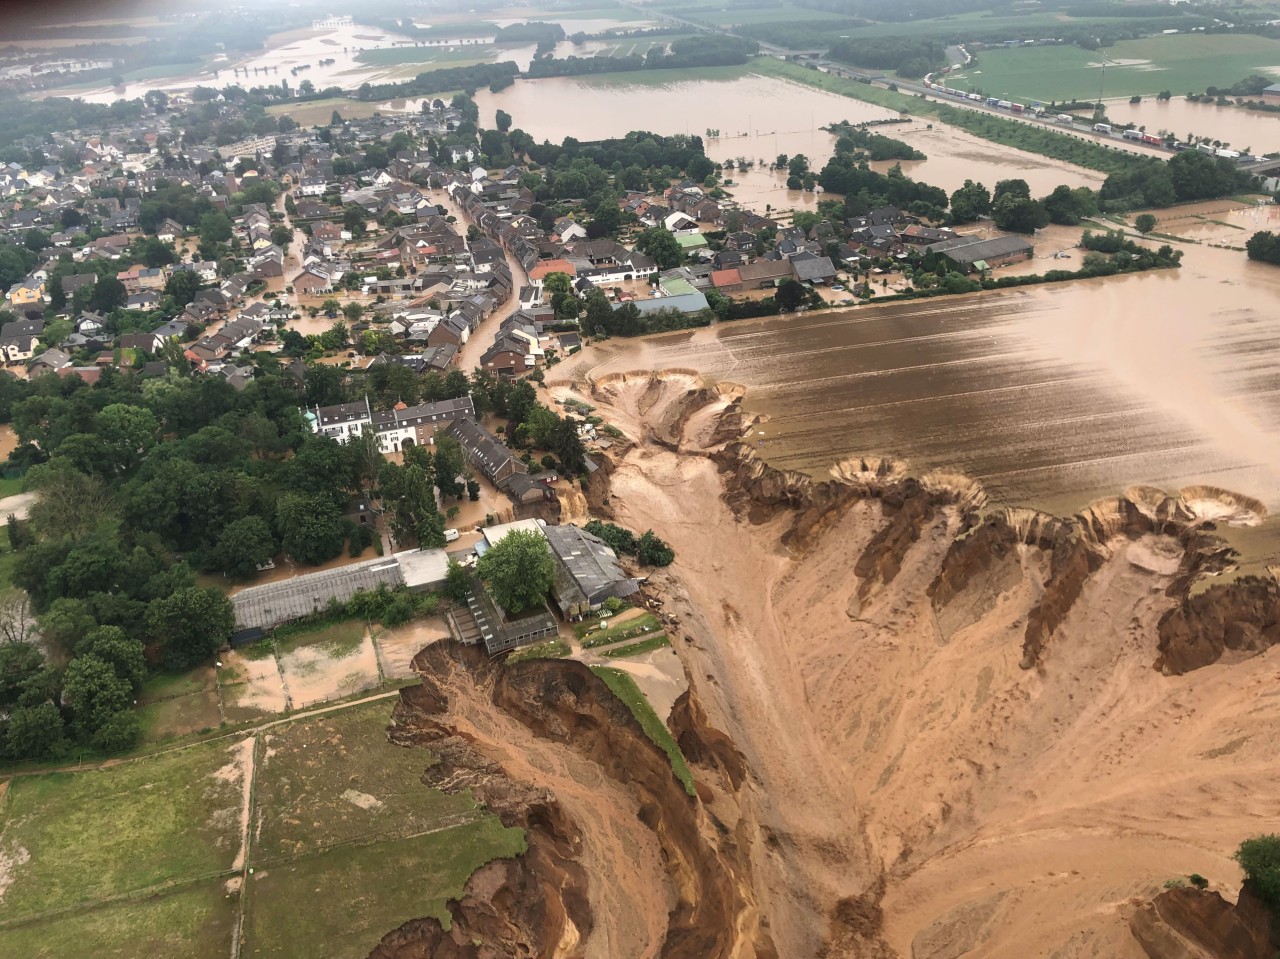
{"x":552,"y":266}
{"x":730,"y":277}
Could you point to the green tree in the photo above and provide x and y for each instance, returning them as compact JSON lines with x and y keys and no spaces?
{"x":1145,"y":223}
{"x":108,"y":294}
{"x":127,"y":434}
{"x":93,"y":692}
{"x":568,"y":447}
{"x":215,"y":228}
{"x":35,"y":732}
{"x":970,"y":202}
{"x":125,"y":654}
{"x":1019,"y":214}
{"x":310,"y":528}
{"x":190,"y":624}
{"x":183,"y":287}
{"x":651,"y":551}
{"x":450,"y":466}
{"x":790,"y":294}
{"x":243,"y":546}
{"x":502,"y":120}
{"x":518,"y":571}
{"x":1259,"y":857}
{"x":662,"y":246}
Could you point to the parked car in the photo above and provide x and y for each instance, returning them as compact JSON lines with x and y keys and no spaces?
{"x":450,"y":535}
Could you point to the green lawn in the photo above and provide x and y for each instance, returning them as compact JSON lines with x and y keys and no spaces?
{"x":637,"y":649}
{"x":82,"y":837}
{"x":336,"y":779}
{"x":10,"y":486}
{"x":175,"y":705}
{"x":631,"y":628}
{"x":1183,"y":63}
{"x":340,"y":903}
{"x":625,"y":688}
{"x":317,"y":112}
{"x":552,"y":650}
{"x":191,"y":923}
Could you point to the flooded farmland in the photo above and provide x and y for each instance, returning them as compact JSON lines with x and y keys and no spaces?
{"x":1253,"y":129}
{"x":1051,"y":396}
{"x":757,"y":118}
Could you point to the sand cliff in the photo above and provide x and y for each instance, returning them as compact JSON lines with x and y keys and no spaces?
{"x":918,"y":728}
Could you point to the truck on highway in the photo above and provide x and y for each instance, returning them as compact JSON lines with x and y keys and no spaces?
{"x":1066,"y":119}
{"x":1102,"y":128}
{"x":1004,"y":104}
{"x":1153,"y":139}
{"x":992,"y":101}
{"x":1016,"y":107}
{"x":1133,"y":133}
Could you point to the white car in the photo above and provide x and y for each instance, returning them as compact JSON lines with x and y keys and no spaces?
{"x":450,"y":535}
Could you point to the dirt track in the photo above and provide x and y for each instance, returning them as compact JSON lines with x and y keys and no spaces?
{"x":1008,"y":812}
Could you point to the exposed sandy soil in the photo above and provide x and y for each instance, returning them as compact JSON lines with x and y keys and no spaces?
{"x":313,"y":674}
{"x":913,"y":790}
{"x":397,"y":647}
{"x":631,"y":892}
{"x":251,"y":687}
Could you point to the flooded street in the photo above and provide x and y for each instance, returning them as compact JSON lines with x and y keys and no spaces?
{"x":1051,"y":396}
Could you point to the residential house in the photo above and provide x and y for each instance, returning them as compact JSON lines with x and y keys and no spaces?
{"x":27,"y":292}
{"x":485,"y":452}
{"x":813,"y":269}
{"x":50,"y":360}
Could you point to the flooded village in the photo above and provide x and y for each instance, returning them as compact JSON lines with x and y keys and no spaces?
{"x":697,"y":511}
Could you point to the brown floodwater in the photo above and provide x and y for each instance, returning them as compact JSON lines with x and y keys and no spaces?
{"x":758,"y":118}
{"x":1241,"y":128}
{"x":1050,"y":396}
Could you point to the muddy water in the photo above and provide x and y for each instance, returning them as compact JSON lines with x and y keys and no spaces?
{"x":1051,"y":396}
{"x":1241,"y":128}
{"x":284,"y":51}
{"x":758,"y":118}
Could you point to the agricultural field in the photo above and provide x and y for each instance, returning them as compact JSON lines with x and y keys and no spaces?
{"x":1180,"y":64}
{"x":318,"y":112}
{"x":148,"y":857}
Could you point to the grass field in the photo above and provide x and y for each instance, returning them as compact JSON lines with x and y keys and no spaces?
{"x":87,"y":836}
{"x":190,"y":923}
{"x":890,"y":99}
{"x":10,"y":486}
{"x":339,"y":903}
{"x":552,"y":650}
{"x":317,"y":112}
{"x":137,"y":859}
{"x":637,"y":649}
{"x":625,"y":688}
{"x":628,"y":629}
{"x":336,"y":779}
{"x":175,"y":705}
{"x":1180,"y":64}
